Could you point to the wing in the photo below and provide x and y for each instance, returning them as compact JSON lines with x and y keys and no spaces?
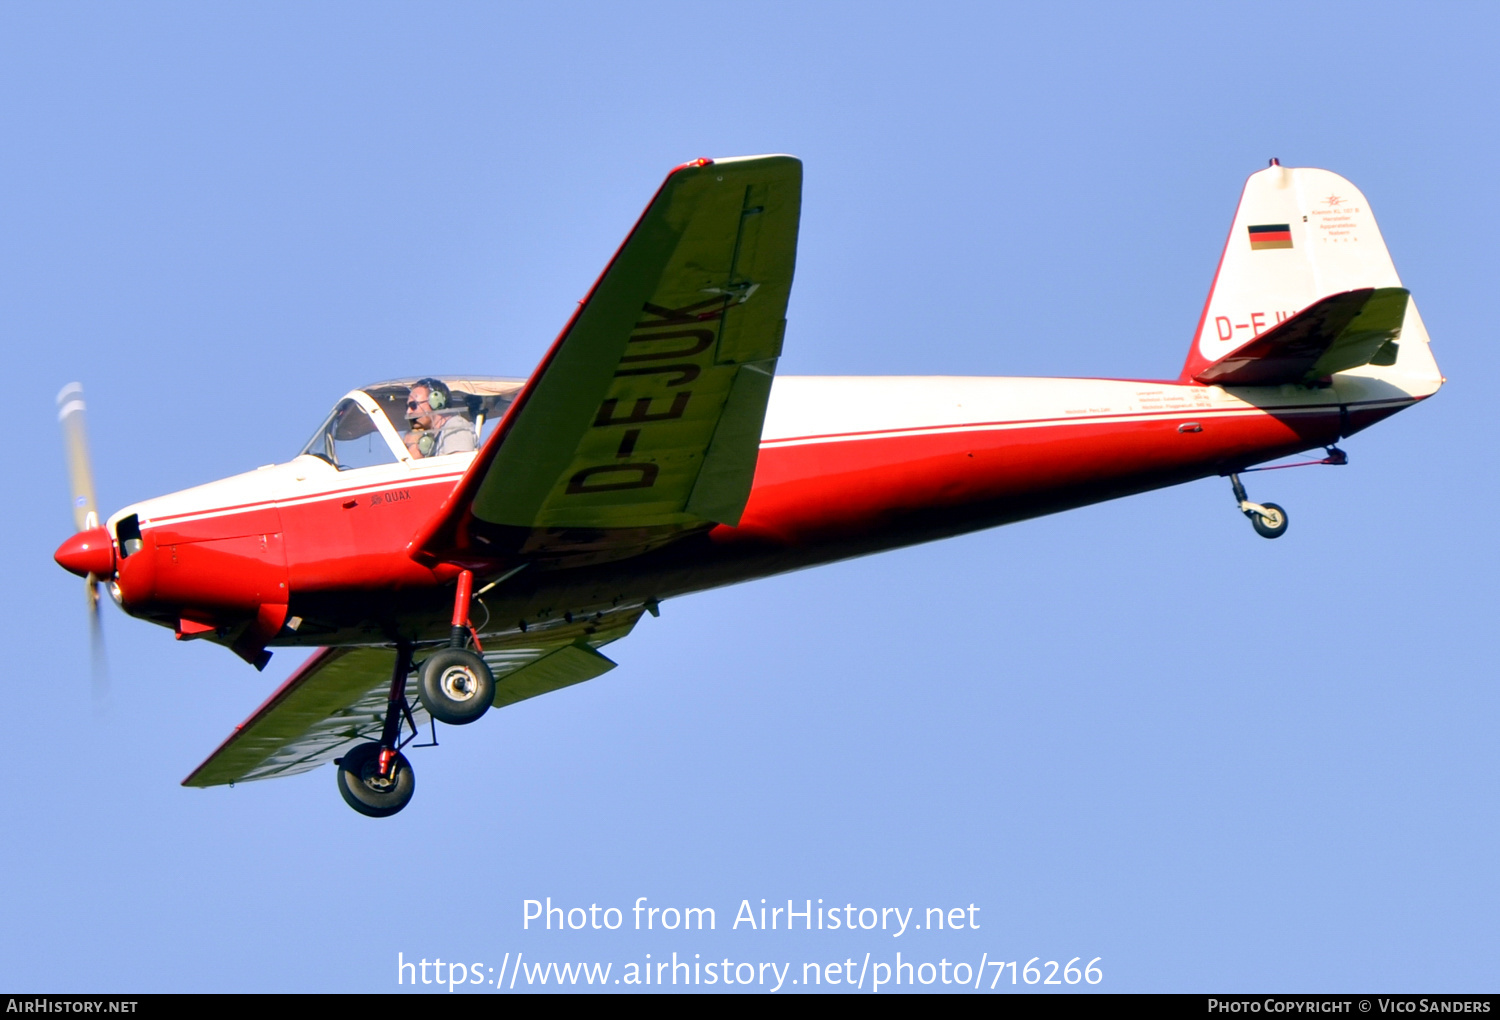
{"x":1338,"y":333}
{"x":338,"y":697}
{"x":647,"y":411}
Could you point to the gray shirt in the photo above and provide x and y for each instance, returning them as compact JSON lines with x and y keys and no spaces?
{"x":455,"y":435}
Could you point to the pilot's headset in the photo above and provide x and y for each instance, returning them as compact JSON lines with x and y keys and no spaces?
{"x":437,"y":399}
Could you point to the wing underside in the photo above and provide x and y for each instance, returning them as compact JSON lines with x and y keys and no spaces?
{"x":338,"y":697}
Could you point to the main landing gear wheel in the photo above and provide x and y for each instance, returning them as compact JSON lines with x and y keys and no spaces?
{"x":456,"y":686}
{"x":1269,"y":521}
{"x":366,"y":790}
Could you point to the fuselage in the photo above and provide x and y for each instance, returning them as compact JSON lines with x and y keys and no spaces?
{"x":847,"y":465}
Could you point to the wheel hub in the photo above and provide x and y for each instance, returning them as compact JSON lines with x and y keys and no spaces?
{"x":371,"y":777}
{"x":458,"y":683}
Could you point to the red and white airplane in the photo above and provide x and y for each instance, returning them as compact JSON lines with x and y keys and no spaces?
{"x":484,"y":537}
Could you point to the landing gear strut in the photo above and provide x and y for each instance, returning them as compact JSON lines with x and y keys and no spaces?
{"x":456,"y":685}
{"x":375,"y":779}
{"x":1268,"y":519}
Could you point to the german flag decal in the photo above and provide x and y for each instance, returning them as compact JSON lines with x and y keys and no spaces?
{"x":1270,"y":235}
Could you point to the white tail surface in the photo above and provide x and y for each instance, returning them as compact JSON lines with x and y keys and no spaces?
{"x":1300,"y":234}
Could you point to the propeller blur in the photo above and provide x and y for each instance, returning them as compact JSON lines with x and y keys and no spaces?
{"x":90,"y":552}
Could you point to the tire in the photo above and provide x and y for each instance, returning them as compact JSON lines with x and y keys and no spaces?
{"x":1269,"y":525}
{"x":456,"y":686}
{"x":363,"y":788}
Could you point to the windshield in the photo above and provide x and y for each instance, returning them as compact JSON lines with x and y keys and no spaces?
{"x":348,"y":439}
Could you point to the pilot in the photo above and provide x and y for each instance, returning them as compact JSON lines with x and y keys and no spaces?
{"x":434,"y":433}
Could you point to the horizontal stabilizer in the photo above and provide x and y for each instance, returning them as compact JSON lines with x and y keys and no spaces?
{"x":1337,"y":333}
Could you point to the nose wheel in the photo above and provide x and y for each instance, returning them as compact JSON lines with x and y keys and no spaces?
{"x":1268,"y":519}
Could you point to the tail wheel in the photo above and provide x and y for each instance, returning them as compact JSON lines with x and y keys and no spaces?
{"x":366,"y":790}
{"x":1269,"y":522}
{"x":456,"y":686}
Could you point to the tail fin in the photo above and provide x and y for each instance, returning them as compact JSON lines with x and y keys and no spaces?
{"x":1300,"y":235}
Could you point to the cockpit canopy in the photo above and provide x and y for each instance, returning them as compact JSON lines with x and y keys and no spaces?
{"x":377,"y":424}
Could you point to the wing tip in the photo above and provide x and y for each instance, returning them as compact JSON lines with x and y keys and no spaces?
{"x":765,"y":160}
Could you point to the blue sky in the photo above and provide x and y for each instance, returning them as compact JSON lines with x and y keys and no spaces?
{"x":1135,"y":732}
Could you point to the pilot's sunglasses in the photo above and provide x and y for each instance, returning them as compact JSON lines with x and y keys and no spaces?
{"x":412,"y":405}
